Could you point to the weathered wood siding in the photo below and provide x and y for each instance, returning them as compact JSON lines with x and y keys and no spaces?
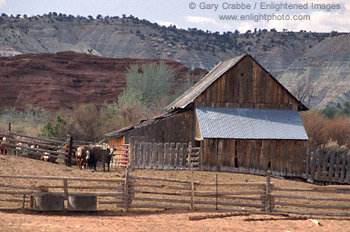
{"x":284,"y":157}
{"x":116,"y":141}
{"x":247,"y":85}
{"x":175,"y":129}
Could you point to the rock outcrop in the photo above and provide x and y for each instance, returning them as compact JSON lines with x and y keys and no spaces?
{"x":66,"y":79}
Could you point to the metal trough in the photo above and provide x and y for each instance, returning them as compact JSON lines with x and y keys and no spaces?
{"x":82,"y":202}
{"x":49,"y":202}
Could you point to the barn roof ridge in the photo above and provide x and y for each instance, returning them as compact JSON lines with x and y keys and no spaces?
{"x":214,"y":74}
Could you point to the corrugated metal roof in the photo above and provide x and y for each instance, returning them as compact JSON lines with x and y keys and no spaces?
{"x":191,"y":94}
{"x":243,"y":123}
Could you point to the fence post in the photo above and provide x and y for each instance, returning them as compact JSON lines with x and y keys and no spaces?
{"x":126,"y":191}
{"x":65,"y":188}
{"x":216,"y":191}
{"x":189,"y":155}
{"x":268,"y":197}
{"x":70,"y":149}
{"x":192,"y":191}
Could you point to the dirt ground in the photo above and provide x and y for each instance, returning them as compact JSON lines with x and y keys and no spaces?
{"x":164,"y":220}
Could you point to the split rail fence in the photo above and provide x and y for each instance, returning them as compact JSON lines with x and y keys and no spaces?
{"x":140,"y":192}
{"x":33,"y":147}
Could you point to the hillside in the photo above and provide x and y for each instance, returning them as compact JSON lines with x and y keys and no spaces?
{"x":67,"y":79}
{"x":290,"y":56}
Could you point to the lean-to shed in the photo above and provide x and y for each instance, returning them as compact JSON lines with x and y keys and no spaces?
{"x":241,"y":116}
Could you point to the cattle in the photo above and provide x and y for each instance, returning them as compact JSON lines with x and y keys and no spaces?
{"x":80,"y":156}
{"x":97,"y":154}
{"x":3,"y":146}
{"x":48,"y":157}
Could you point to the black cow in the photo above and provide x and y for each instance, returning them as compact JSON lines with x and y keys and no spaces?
{"x":97,"y":154}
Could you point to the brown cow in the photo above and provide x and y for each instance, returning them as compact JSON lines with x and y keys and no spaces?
{"x":49,"y":158}
{"x":80,"y":156}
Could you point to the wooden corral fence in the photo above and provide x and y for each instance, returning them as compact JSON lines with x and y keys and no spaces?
{"x":165,"y":156}
{"x":139,"y":192}
{"x":108,"y":191}
{"x":328,"y":167}
{"x":35,"y":147}
{"x":120,"y":156}
{"x":332,"y":200}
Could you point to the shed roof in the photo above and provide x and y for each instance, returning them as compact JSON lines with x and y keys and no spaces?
{"x":142,"y":123}
{"x":220,"y":69}
{"x":243,"y":123}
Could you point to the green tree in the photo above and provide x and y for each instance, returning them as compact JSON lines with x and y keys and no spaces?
{"x":147,"y":85}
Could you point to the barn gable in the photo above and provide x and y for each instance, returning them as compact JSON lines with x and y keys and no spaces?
{"x":240,"y":83}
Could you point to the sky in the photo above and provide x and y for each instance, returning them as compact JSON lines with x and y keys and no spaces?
{"x":212,"y":15}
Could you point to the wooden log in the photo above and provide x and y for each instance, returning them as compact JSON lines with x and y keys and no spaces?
{"x":312,"y":206}
{"x":343,"y":166}
{"x":312,"y":213}
{"x":221,"y":215}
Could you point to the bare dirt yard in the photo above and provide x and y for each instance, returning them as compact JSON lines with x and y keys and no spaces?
{"x":160,"y":220}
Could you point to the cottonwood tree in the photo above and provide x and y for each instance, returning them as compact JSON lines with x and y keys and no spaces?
{"x":148,"y":86}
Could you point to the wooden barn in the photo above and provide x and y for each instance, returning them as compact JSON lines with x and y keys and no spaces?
{"x":243,"y":119}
